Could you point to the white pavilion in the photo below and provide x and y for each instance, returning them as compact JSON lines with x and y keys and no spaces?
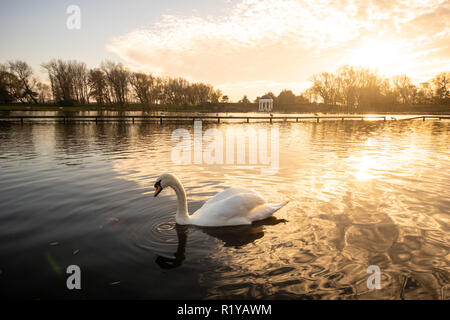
{"x":265,"y":104}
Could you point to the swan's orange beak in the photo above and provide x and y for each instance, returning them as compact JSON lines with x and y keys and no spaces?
{"x":158,"y":190}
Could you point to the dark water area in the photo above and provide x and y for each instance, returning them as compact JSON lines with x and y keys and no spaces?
{"x":361,"y":193}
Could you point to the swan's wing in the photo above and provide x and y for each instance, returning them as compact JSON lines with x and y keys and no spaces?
{"x":266,"y":210}
{"x":227,"y":193}
{"x":232,"y":210}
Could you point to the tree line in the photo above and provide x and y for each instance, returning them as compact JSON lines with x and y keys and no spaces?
{"x":349,"y":89}
{"x":72,"y":82}
{"x":357,"y":89}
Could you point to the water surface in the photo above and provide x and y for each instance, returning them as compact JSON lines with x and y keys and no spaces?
{"x":361,"y":193}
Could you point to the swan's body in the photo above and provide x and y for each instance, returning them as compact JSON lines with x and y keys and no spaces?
{"x":231,"y":207}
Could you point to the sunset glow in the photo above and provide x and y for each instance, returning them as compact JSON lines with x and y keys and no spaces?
{"x":271,"y":45}
{"x":242,"y":47}
{"x":379,"y":55}
{"x":225,"y":159}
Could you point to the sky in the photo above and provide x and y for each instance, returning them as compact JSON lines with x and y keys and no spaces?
{"x":239,"y":46}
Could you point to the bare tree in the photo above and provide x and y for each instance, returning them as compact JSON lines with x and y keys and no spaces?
{"x":118,"y":79}
{"x":24,"y":73}
{"x":347,"y":78}
{"x":80,"y":81}
{"x":98,"y":86}
{"x":368,"y":88}
{"x":404,"y":88}
{"x":61,"y":78}
{"x":442,"y":87}
{"x":309,"y":95}
{"x":10,"y":86}
{"x":144,"y":86}
{"x":44,"y":92}
{"x":325,"y":86}
{"x":216,"y":95}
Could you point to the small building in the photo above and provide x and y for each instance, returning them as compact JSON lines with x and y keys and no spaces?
{"x":265,"y":104}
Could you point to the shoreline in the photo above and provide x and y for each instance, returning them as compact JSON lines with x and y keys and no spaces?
{"x":202,"y":110}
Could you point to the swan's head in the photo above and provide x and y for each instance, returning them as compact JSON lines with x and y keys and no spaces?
{"x":164,"y":180}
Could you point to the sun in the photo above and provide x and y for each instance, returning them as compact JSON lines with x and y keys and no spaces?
{"x":375,"y":54}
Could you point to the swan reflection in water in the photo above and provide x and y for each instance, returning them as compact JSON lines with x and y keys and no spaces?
{"x":232,"y":236}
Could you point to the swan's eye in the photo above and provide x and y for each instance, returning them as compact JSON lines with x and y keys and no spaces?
{"x":158,"y":183}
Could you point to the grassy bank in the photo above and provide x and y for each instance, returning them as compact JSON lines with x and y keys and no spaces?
{"x":171,"y":108}
{"x":237,"y":107}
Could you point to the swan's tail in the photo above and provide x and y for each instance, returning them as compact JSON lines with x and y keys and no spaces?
{"x":266,"y":210}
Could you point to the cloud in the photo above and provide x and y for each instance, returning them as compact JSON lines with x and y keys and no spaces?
{"x":282,"y":41}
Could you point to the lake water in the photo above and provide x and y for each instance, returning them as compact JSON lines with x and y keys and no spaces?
{"x":361,"y":193}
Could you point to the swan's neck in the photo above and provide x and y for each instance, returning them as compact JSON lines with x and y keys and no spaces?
{"x":182,"y":216}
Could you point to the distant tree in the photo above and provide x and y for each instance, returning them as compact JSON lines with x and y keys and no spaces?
{"x":405,"y":88}
{"x":205,"y":92}
{"x":325,"y":85}
{"x":301,"y":99}
{"x":387,"y":93}
{"x":352,"y":87}
{"x":117,"y":78}
{"x":142,"y":85}
{"x":442,"y":87}
{"x":425,"y":93}
{"x":347,"y":78}
{"x":225,"y":99}
{"x":286,"y":98}
{"x":309,"y":95}
{"x":61,"y":78}
{"x":80,"y":81}
{"x":98,"y":88}
{"x":271,"y":95}
{"x":43,"y":92}
{"x":244,"y":100}
{"x":175,"y":91}
{"x":216,"y":95}
{"x":24,"y":73}
{"x":367,"y":93}
{"x":10,"y":87}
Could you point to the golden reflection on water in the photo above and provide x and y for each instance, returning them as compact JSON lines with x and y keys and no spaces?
{"x":364,"y":166}
{"x":361,"y":194}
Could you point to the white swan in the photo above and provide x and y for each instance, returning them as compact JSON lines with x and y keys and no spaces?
{"x":231,"y":207}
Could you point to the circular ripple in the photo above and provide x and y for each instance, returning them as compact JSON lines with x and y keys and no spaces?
{"x":166,"y":226}
{"x":158,"y":232}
